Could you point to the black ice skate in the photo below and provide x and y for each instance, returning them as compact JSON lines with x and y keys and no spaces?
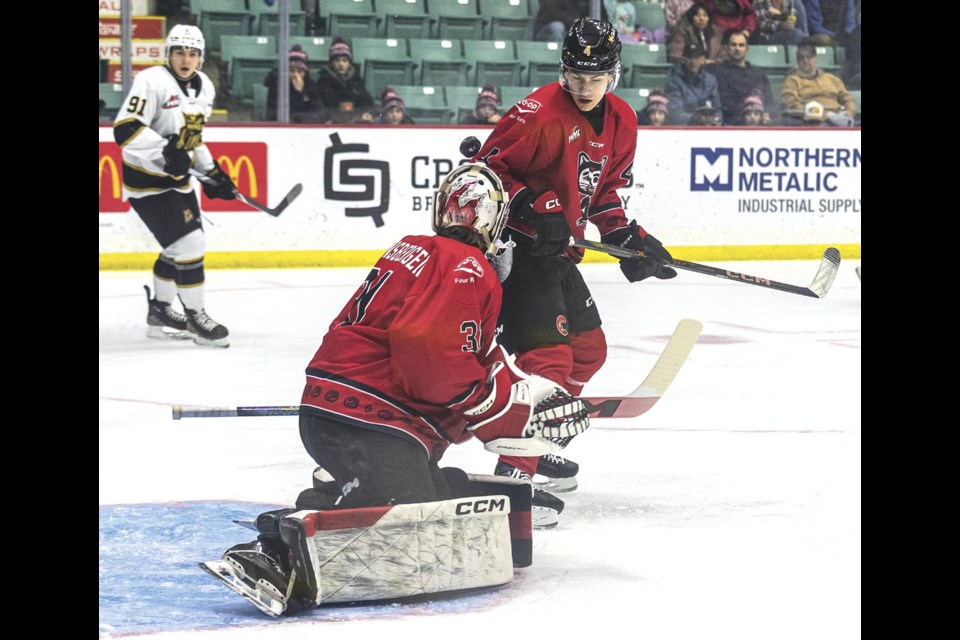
{"x":163,"y":321}
{"x":252,"y":573}
{"x":546,"y":507}
{"x":205,"y":330}
{"x":559,"y":473}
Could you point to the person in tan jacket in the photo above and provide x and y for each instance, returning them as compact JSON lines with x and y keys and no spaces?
{"x":809,"y":83}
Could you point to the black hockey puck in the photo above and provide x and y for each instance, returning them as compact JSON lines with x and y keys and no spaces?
{"x":470,"y":146}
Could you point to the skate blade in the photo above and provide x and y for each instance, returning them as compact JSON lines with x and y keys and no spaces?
{"x":556,"y":485}
{"x":167,"y":333}
{"x":544,"y":517}
{"x":224,"y":572}
{"x":204,"y":342}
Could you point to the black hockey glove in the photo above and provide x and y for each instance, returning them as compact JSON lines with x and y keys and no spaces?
{"x":543,"y":211}
{"x":224,"y":187}
{"x":176,"y":161}
{"x":637,"y":269}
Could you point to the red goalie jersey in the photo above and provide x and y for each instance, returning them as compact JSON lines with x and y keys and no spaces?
{"x":545,"y":143}
{"x":405,"y":355}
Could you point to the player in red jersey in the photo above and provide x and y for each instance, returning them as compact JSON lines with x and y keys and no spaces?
{"x":562,"y":153}
{"x":405,"y":369}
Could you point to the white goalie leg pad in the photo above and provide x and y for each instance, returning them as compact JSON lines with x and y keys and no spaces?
{"x":382,"y":553}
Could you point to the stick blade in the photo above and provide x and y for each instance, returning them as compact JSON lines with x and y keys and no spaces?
{"x":827,"y":273}
{"x":287,"y":199}
{"x":661,"y":376}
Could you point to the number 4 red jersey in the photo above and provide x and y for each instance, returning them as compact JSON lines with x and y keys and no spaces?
{"x":405,"y":354}
{"x":545,"y":142}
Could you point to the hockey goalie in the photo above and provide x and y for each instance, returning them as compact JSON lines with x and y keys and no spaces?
{"x":407,"y":368}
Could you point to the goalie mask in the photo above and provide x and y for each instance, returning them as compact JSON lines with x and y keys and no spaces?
{"x":472,"y":198}
{"x":591,"y":46}
{"x":187,"y":36}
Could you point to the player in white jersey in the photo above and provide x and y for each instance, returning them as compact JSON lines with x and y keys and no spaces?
{"x":160,"y":128}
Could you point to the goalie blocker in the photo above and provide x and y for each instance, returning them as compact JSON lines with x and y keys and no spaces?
{"x":305,"y":558}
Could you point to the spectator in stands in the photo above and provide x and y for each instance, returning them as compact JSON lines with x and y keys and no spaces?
{"x":752,"y":113}
{"x":673,"y":12}
{"x":830,"y":21}
{"x":696,"y":27}
{"x":393,"y":110}
{"x":732,"y":14}
{"x":851,"y":63}
{"x":654,"y":113}
{"x":623,"y":17}
{"x":777,"y":22}
{"x":342,"y":89}
{"x":487,"y":110}
{"x":689,"y":87}
{"x":705,"y":116}
{"x":554,"y":18}
{"x":305,"y":104}
{"x":737,"y":78}
{"x":809,"y":83}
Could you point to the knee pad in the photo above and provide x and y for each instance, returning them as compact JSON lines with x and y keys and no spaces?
{"x":189,"y":248}
{"x":589,"y":354}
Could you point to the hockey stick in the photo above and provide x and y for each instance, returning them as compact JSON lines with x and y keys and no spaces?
{"x":636,"y":403}
{"x":276,"y":211}
{"x":822,"y":281}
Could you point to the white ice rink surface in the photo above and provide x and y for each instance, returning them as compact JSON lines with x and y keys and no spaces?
{"x":730,"y":510}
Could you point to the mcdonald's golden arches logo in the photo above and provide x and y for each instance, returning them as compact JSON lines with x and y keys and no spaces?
{"x":111,"y":181}
{"x":246,"y":164}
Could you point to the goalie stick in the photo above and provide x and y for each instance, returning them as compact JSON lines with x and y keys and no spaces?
{"x":635,"y":403}
{"x":822,"y":281}
{"x":275,"y":211}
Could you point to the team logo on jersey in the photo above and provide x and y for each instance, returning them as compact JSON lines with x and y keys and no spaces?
{"x":172,"y":102}
{"x":187,"y":216}
{"x":528,"y":106}
{"x":472,"y":266}
{"x":562,"y":325}
{"x":588,"y":177}
{"x":574,"y":134}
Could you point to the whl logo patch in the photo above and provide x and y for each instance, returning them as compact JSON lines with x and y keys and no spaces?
{"x":711,"y":169}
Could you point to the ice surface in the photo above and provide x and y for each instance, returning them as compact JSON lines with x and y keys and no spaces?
{"x":730,"y":510}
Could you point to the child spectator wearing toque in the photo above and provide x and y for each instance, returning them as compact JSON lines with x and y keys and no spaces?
{"x":753,"y":113}
{"x":393,"y":111}
{"x":342,"y":88}
{"x":654,"y":113}
{"x":305,"y":104}
{"x":487,"y":110}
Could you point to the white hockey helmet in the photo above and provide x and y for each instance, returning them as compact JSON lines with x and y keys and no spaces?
{"x":472,"y":197}
{"x":184,"y":35}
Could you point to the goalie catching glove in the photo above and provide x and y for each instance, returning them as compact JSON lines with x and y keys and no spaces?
{"x":652,"y":264}
{"x":223,"y":188}
{"x":525,"y":415}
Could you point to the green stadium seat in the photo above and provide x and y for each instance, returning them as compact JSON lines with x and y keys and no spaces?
{"x":249,"y":59}
{"x":349,"y":18}
{"x":461,"y":98}
{"x":540,"y":61}
{"x":650,"y":15}
{"x":385,"y":61}
{"x":403,"y":18}
{"x":510,"y":96}
{"x":642,"y":59}
{"x":493,"y":61}
{"x":456,"y":19}
{"x":425,"y":104}
{"x":266,"y":19}
{"x":440,"y":62}
{"x":217,"y":18}
{"x":647,"y":80}
{"x":771,"y":57}
{"x":112,"y":96}
{"x":636,"y":98}
{"x":507,"y":19}
{"x":259,"y":102}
